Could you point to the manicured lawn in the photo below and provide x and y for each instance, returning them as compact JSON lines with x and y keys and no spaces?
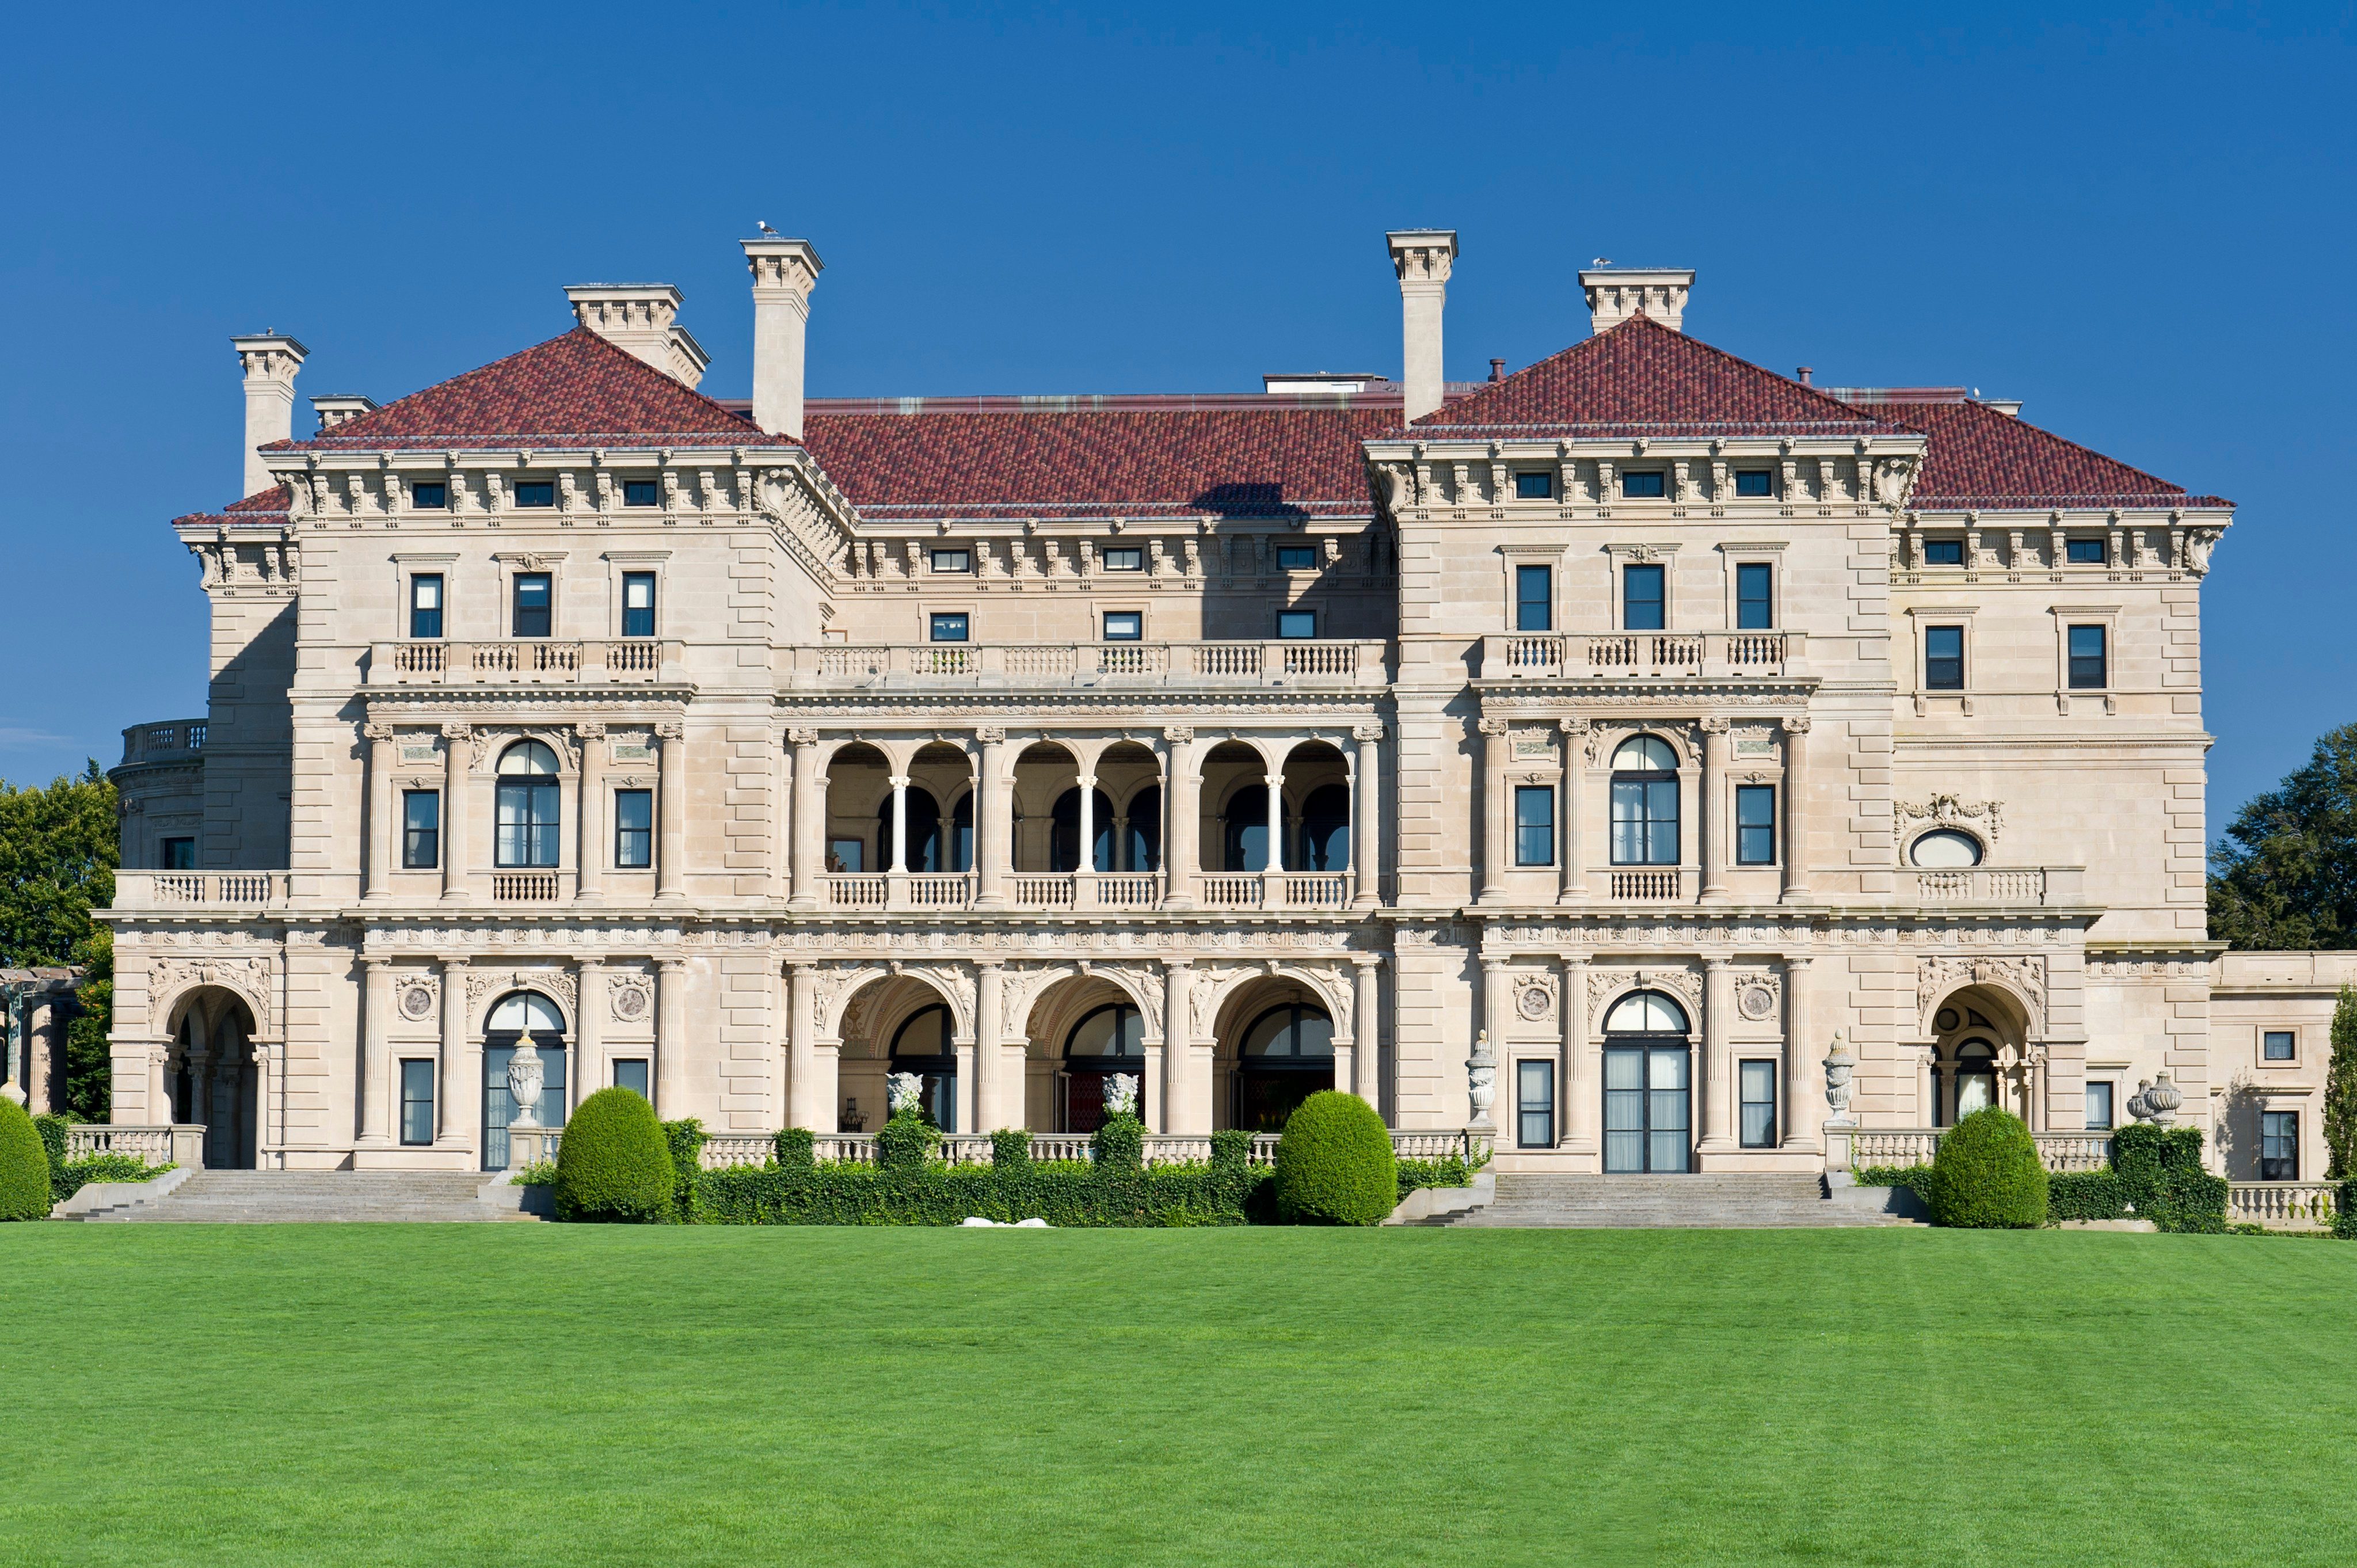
{"x":547,"y":1394}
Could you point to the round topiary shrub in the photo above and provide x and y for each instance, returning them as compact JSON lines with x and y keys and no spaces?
{"x":1987,"y":1175}
{"x":24,"y":1166}
{"x":1334,"y":1164}
{"x":614,"y":1163}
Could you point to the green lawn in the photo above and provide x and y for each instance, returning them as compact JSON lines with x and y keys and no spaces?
{"x":556,"y":1394}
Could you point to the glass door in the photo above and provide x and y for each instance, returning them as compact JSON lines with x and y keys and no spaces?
{"x":1647,"y":1107}
{"x":500,"y":1106}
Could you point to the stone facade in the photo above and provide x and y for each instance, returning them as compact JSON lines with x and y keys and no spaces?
{"x":1628,"y":673}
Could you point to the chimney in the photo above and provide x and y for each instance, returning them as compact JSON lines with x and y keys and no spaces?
{"x":270,"y":361}
{"x":643,"y":320}
{"x":340,"y":408}
{"x":1616,"y":293}
{"x":1804,"y":372}
{"x":1422,"y":258}
{"x":784,"y":272}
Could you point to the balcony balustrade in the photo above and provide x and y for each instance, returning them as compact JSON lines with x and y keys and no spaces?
{"x":974,"y":1148}
{"x":1602,"y":656}
{"x":1091,"y":890}
{"x":529,"y":661}
{"x":525,"y":887}
{"x":199,"y":889}
{"x":1916,"y":1145}
{"x":2025,"y":885}
{"x":1282,"y":662}
{"x":2283,"y":1205}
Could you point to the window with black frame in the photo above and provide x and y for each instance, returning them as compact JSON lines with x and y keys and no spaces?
{"x":634,"y":829}
{"x":2099,"y":1107}
{"x":531,"y":615}
{"x":1533,"y":824}
{"x":528,"y":815}
{"x":1534,"y":598}
{"x":1535,"y":1104}
{"x":416,"y":1101}
{"x":1943,"y":659}
{"x":1644,"y":803}
{"x":2278,"y":1145}
{"x":1755,"y":597}
{"x":1755,"y":824}
{"x":2090,"y":659}
{"x":177,"y":855}
{"x":425,"y":605}
{"x":1757,"y":1086}
{"x":638,"y":604}
{"x":1643,"y":607}
{"x":421,"y":829}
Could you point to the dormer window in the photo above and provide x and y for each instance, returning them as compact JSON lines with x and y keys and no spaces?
{"x":429,"y":495}
{"x":1125,"y":558}
{"x":641,"y":492}
{"x":1944,"y":552}
{"x":530,"y":493}
{"x":953,"y":559}
{"x":1533,"y":486}
{"x":1296,"y":558}
{"x":1754,"y":483}
{"x":2087,"y":552}
{"x":1644,"y":485}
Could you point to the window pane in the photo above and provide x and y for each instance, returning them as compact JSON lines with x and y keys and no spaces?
{"x":638,"y":604}
{"x":2087,"y":552}
{"x":1534,"y":487}
{"x":1755,"y":824}
{"x":1759,"y":1104}
{"x":1534,"y":598}
{"x":1943,"y":657}
{"x":1296,"y":623}
{"x":952,"y":561}
{"x":417,"y":1102}
{"x":532,"y":599}
{"x":2099,"y":1107}
{"x":1125,"y":558}
{"x":846,"y":855}
{"x":949,"y":628}
{"x":641,"y":492}
{"x":1535,"y":1104}
{"x":1125,"y":625}
{"x":535,"y":493}
{"x":425,"y":604}
{"x":1645,"y":484}
{"x":634,"y":822}
{"x":1296,"y":558}
{"x":630,"y":1073}
{"x":2088,"y":664}
{"x":527,"y":829}
{"x":1533,"y":825}
{"x":1641,"y":598}
{"x":1944,"y":552}
{"x":421,"y":829}
{"x":2279,"y":1146}
{"x":2278,"y":1046}
{"x":1754,"y":482}
{"x":429,"y":495}
{"x":180,"y":854}
{"x":1755,"y":599}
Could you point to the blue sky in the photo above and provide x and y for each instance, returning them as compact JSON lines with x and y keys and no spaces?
{"x":2137,"y":219}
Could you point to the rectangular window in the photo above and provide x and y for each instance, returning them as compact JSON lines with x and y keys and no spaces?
{"x":2278,"y":1145}
{"x":429,"y":495}
{"x":2275,"y":1045}
{"x":2090,"y":666}
{"x":421,"y":829}
{"x":1533,"y":824}
{"x":1125,"y":625}
{"x":638,"y":604}
{"x":1755,"y":824}
{"x":532,"y":600}
{"x":1296,"y":623}
{"x":180,"y":854}
{"x":1754,"y":482}
{"x":641,"y":492}
{"x":1759,"y":1086}
{"x":1535,"y":1104}
{"x":1125,"y":558}
{"x":953,"y":559}
{"x":949,"y":628}
{"x":1644,"y":485}
{"x":630,"y":1073}
{"x":1943,"y":659}
{"x":425,"y":604}
{"x":1755,"y":597}
{"x":2087,"y":552}
{"x":1641,"y":598}
{"x":1534,"y":487}
{"x":417,"y":1103}
{"x":2099,"y":1107}
{"x":1944,"y":552}
{"x":532,"y":493}
{"x":1534,"y":598}
{"x":634,"y":829}
{"x":1296,"y":558}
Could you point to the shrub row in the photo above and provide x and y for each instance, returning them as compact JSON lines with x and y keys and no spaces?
{"x":1061,"y":1192}
{"x":2156,"y":1174}
{"x":2344,"y":1212}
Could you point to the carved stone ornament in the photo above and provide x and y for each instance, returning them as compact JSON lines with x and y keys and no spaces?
{"x":1535,"y":998}
{"x":1366,"y":732}
{"x":1121,"y":1094}
{"x":630,"y":998}
{"x":905,"y":1090}
{"x":417,"y":1000}
{"x":526,"y":1074}
{"x":250,"y":978}
{"x":1986,"y":818}
{"x":2025,"y":977}
{"x":1839,"y":1066}
{"x":1481,"y":1078}
{"x":1755,"y":1000}
{"x":1493,"y":726}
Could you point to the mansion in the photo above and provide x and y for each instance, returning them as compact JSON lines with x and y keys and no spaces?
{"x":1580,"y":757}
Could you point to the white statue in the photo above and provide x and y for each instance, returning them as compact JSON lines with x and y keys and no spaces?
{"x":1121,"y":1094}
{"x":906,"y":1090}
{"x":525,"y":1075}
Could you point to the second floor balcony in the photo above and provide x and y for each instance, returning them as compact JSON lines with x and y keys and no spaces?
{"x":526,"y":661}
{"x":1617,"y":655}
{"x":1302,"y":661}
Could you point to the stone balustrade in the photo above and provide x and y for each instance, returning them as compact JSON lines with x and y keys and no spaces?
{"x":175,"y":1144}
{"x":1282,"y":663}
{"x":2283,"y":1205}
{"x":525,"y":660}
{"x":200,"y":889}
{"x":728,"y":1150}
{"x":1916,"y":1145}
{"x":2028,"y":886}
{"x":1088,"y":890}
{"x":1693,"y":655}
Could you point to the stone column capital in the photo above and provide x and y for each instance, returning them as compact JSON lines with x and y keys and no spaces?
{"x":1796,"y":724}
{"x":1367,"y":961}
{"x":669,"y":965}
{"x":801,"y":739}
{"x":1715,"y":964}
{"x":379,"y":733}
{"x":1367,"y":731}
{"x":590,"y":731}
{"x":1715,"y":724}
{"x":1493,"y":726}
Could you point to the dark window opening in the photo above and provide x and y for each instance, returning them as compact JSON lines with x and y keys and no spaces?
{"x":535,"y":493}
{"x":417,"y":1102}
{"x":1642,"y":607}
{"x":953,"y":559}
{"x":1533,"y":824}
{"x":1754,"y":482}
{"x":1125,"y":558}
{"x":1534,"y":598}
{"x":1755,"y":824}
{"x":1644,"y":484}
{"x":1758,"y":1099}
{"x":1943,"y":657}
{"x":421,"y":830}
{"x":429,"y":495}
{"x":1531,"y":487}
{"x":949,"y":628}
{"x":178,"y":854}
{"x":1296,"y":558}
{"x":1755,"y":597}
{"x":638,"y":604}
{"x":1944,"y":552}
{"x":2099,"y":1108}
{"x":634,"y":829}
{"x":2276,"y":1046}
{"x":1296,"y":623}
{"x":641,"y":492}
{"x":531,"y":605}
{"x":425,"y":604}
{"x":2090,"y":661}
{"x":2279,"y":1146}
{"x":1535,"y":1104}
{"x":2087,"y":552}
{"x":1125,"y":625}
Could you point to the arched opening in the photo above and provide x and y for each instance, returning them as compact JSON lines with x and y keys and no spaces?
{"x":1064,"y":844}
{"x":1944,"y":848}
{"x":211,"y":1077}
{"x":1284,"y":1056}
{"x":1645,"y":803}
{"x":1648,"y":1096}
{"x":1235,"y":796}
{"x":1130,"y":778}
{"x":923,"y":850}
{"x":512,"y":1017}
{"x":922,"y":1044}
{"x":529,"y":813}
{"x":1325,"y":836}
{"x":1045,"y":774}
{"x":1979,"y":1056}
{"x":1140,"y":838}
{"x":1109,"y":1039}
{"x":1975,"y":1080}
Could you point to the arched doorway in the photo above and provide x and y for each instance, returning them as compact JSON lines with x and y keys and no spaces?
{"x":211,"y":1077}
{"x":922,"y":1044}
{"x":511,"y":1017}
{"x":1286,"y":1055}
{"x":1979,"y":1045}
{"x":1648,"y":1093}
{"x":1108,"y":1040}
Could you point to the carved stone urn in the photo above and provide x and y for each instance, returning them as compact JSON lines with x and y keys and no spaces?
{"x":1841,"y":1065}
{"x":2164,"y":1097}
{"x":526,"y":1074}
{"x":1481,"y":1077}
{"x":2140,"y":1102}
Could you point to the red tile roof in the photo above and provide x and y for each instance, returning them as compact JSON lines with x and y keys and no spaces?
{"x":576,"y":390}
{"x":1641,"y":377}
{"x":1263,"y":462}
{"x":1979,"y":457}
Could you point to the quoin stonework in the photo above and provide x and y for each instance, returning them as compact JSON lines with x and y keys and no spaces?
{"x":1587,"y":756}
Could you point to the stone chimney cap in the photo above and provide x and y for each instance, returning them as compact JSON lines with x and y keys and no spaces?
{"x":337,"y":408}
{"x":782,"y":244}
{"x":1616,"y":293}
{"x":640,"y":319}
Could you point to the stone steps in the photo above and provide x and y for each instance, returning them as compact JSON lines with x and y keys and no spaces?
{"x":250,"y":1198}
{"x":1645,"y":1202}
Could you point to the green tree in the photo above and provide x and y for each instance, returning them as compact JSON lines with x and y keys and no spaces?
{"x":58,"y":854}
{"x":2285,"y":877}
{"x":2341,"y":1090}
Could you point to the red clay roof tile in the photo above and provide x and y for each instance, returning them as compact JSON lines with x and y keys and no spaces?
{"x":1979,"y":457}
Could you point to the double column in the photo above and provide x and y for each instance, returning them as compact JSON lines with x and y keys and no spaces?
{"x":383,"y":839}
{"x":1711,"y":820}
{"x":1496,"y":748}
{"x":1366,"y":841}
{"x":671,"y":849}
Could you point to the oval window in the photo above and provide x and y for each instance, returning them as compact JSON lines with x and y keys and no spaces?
{"x":1946,"y":847}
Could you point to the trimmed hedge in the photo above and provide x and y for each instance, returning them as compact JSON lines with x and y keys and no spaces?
{"x":2344,"y":1212}
{"x":24,"y":1166}
{"x":614,"y":1163}
{"x":1334,"y":1164}
{"x":2155,"y":1175}
{"x":1061,"y":1192}
{"x":1987,"y":1175}
{"x":795,"y":1148}
{"x":1119,"y":1144}
{"x":1450,"y":1170}
{"x":684,"y":1139}
{"x":906,"y":1142}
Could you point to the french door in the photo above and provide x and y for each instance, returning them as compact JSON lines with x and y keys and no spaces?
{"x":1647,"y":1106}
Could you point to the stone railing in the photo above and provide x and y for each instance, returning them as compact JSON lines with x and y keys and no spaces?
{"x":1237,"y":890}
{"x":857,"y":890}
{"x":2028,"y":886}
{"x":173,"y":740}
{"x":532,"y":660}
{"x":1285,"y":662}
{"x":179,"y":1144}
{"x":1646,"y":884}
{"x":1065,"y":890}
{"x":1573,"y":656}
{"x":721,"y":1152}
{"x":2283,"y":1205}
{"x":524,"y":888}
{"x":1916,"y":1145}
{"x":199,"y":889}
{"x":932,"y":890}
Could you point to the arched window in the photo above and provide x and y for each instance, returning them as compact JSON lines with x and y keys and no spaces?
{"x":1648,"y":1111}
{"x":1644,"y":803}
{"x":521,"y":1008}
{"x":1244,"y":828}
{"x":1108,"y":1040}
{"x":529,"y":816}
{"x":1645,"y":1012}
{"x":513,"y":1014}
{"x":1944,"y":847}
{"x":921,"y":1046}
{"x":1064,"y":844}
{"x":1287,"y":1056}
{"x":1975,"y":1080}
{"x":924,"y":831}
{"x":1144,"y":842}
{"x":1325,"y":828}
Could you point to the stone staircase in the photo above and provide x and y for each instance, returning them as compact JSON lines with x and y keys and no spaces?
{"x":252,"y":1197}
{"x":1645,"y":1202}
